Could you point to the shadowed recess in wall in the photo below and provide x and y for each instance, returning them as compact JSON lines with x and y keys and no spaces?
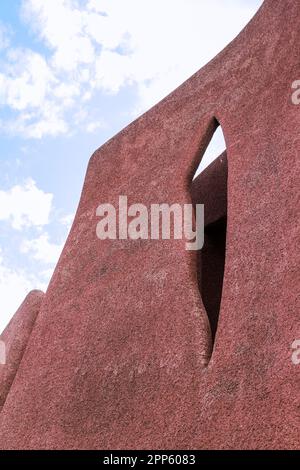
{"x":210,"y":188}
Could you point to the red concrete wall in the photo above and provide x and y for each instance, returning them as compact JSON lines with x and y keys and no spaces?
{"x":120,"y":355}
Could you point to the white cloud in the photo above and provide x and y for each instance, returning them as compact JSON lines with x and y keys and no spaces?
{"x":26,"y":80}
{"x":29,"y":87}
{"x":92,"y":127}
{"x":25,"y":206}
{"x":42,"y":249}
{"x":15,"y":284}
{"x":67,"y":220}
{"x":5,"y":35}
{"x":46,"y":274}
{"x":161,"y":43}
{"x":103,"y":45}
{"x":61,"y":24}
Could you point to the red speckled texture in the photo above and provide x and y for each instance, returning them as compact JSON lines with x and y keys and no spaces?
{"x":120,"y":354}
{"x":15,"y":337}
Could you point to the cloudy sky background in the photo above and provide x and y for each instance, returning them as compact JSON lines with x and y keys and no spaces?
{"x":72,"y":74}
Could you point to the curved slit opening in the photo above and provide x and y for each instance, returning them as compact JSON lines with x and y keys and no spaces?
{"x":209,"y":187}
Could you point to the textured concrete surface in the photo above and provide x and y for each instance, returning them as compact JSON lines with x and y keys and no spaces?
{"x":121,"y":352}
{"x":15,"y":337}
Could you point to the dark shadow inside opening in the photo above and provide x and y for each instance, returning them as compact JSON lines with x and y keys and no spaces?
{"x":210,"y":188}
{"x":210,"y":266}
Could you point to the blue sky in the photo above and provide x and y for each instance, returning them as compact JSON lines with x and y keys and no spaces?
{"x":72,"y":74}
